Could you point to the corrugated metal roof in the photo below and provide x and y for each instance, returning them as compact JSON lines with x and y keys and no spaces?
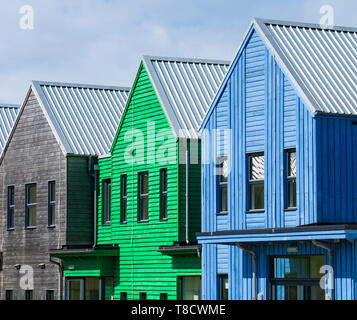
{"x":185,"y":88}
{"x":8,"y":114}
{"x":84,"y":117}
{"x":321,"y":62}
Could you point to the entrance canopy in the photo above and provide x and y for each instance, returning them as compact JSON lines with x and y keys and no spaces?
{"x":313,"y":232}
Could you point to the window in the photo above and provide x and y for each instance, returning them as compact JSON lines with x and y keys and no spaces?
{"x":163,"y":194}
{"x":223,"y":287}
{"x":163,"y":296}
{"x":123,"y":197}
{"x":291,"y":178}
{"x":296,"y":277}
{"x":51,"y":203}
{"x":143,"y":196}
{"x":28,"y":294}
{"x":190,"y":288}
{"x":10,"y":207}
{"x":50,"y":294}
{"x":123,"y":296}
{"x":9,"y":295}
{"x":222,"y":174}
{"x":142,"y":296}
{"x":30,"y":209}
{"x":256,"y":181}
{"x":106,"y":198}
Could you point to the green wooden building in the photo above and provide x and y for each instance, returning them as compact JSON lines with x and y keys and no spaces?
{"x":149,"y":205}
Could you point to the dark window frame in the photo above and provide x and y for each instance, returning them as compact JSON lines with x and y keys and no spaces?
{"x":142,"y":296}
{"x":123,"y":296}
{"x":289,"y":179}
{"x":29,"y":205}
{"x":221,"y":278}
{"x":51,"y":204}
{"x":252,"y":182}
{"x":221,"y":185}
{"x":142,"y":196}
{"x":9,"y":291}
{"x":163,"y":195}
{"x":106,"y":201}
{"x":29,"y":295}
{"x":50,"y":294}
{"x":123,"y":198}
{"x":10,"y":208}
{"x":163,"y":296}
{"x":180,"y":286}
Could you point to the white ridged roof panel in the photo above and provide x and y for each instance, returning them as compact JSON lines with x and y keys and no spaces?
{"x":322,"y":62}
{"x":8,"y":114}
{"x":185,"y":88}
{"x":84,"y":117}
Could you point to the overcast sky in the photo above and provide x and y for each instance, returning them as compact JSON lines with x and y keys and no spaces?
{"x":102,"y":41}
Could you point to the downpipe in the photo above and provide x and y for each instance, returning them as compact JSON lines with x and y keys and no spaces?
{"x":254,"y":267}
{"x":60,"y":277}
{"x":316,"y":243}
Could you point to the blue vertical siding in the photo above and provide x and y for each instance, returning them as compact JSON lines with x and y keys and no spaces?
{"x":240,"y":269}
{"x":337,"y":176}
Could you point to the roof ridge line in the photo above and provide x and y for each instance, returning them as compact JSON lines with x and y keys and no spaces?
{"x":80,"y":85}
{"x":306,"y":25}
{"x":187,"y":59}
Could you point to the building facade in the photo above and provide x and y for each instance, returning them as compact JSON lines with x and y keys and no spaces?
{"x":280,"y":195}
{"x":149,"y":189}
{"x":46,"y":187}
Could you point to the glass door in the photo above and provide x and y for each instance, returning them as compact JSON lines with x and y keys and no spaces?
{"x":75,"y":289}
{"x":297,"y":278}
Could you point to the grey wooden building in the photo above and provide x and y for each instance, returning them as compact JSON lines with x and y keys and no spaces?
{"x":47,"y":178}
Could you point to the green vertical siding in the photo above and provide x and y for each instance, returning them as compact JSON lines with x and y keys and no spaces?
{"x":141,"y":268}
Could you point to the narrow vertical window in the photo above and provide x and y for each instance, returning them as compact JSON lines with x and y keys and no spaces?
{"x":223,"y":287}
{"x":143,"y":196}
{"x":9,"y":295}
{"x":30,"y":219}
{"x":51,"y":203}
{"x":123,"y":198}
{"x":10,"y":207}
{"x":256,"y":181}
{"x":163,"y":194}
{"x":163,"y":296}
{"x":106,"y":200}
{"x":123,"y":296}
{"x":142,"y":296}
{"x":28,"y":295}
{"x":50,"y":295}
{"x":222,"y":175}
{"x":291,"y":178}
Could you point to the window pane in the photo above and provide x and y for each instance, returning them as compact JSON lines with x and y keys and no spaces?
{"x":191,"y":288}
{"x":49,"y":295}
{"x":292,"y":164}
{"x":298,"y":267}
{"x":9,"y":295}
{"x":11,"y":196}
{"x":224,"y":170}
{"x":123,"y":296}
{"x":52,"y":192}
{"x":144,"y":208}
{"x":31,"y":194}
{"x":52,"y":215}
{"x":75,"y":290}
{"x":257,"y":195}
{"x":292,"y":193}
{"x":32,"y":216}
{"x":144,"y":183}
{"x":92,"y":288}
{"x":224,"y":287}
{"x":257,"y":167}
{"x":224,"y":198}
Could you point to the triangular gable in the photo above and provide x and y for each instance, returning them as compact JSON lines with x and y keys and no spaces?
{"x":312,"y":95}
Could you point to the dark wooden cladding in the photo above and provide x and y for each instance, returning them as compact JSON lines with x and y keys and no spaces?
{"x":34,"y":156}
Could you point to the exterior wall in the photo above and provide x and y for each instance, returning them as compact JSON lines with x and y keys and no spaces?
{"x":264,"y":113}
{"x":80,"y":202}
{"x":141,"y":268}
{"x":239,"y":269}
{"x":336,"y":154}
{"x":33,"y":155}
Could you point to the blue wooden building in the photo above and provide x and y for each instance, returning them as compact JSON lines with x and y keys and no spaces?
{"x":279,"y":175}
